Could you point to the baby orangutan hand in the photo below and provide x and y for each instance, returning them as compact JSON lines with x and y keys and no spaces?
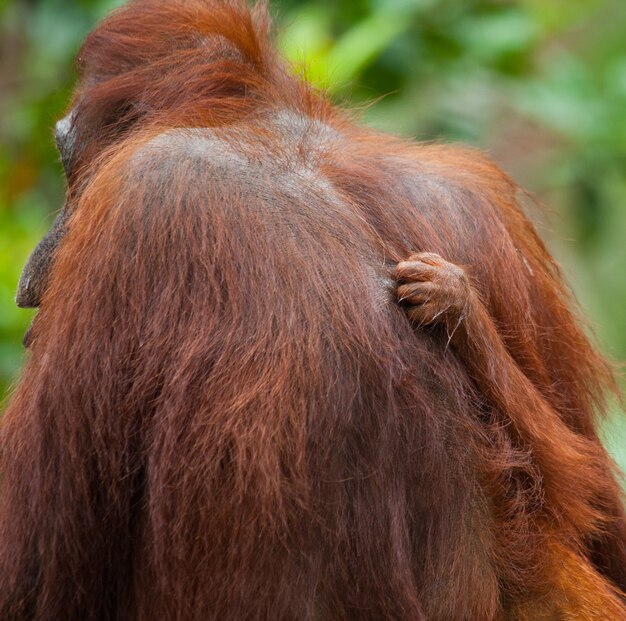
{"x":433,"y":291}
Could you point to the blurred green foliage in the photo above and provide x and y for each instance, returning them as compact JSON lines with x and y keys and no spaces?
{"x":540,"y":85}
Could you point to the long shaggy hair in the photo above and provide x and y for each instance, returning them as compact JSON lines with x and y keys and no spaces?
{"x":226,"y":414}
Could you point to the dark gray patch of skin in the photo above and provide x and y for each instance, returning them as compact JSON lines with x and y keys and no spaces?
{"x":34,"y":278}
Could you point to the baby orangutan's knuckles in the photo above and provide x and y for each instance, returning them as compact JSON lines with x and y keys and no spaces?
{"x":430,"y":258}
{"x":412,"y":271}
{"x":456,"y":281}
{"x":459,"y":273}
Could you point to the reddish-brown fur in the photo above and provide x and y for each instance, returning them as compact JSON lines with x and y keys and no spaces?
{"x":227,"y":415}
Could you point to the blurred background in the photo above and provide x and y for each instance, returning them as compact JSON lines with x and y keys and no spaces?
{"x":540,"y":85}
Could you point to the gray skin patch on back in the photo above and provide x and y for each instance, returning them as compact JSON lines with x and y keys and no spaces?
{"x":296,"y":128}
{"x":285,"y":146}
